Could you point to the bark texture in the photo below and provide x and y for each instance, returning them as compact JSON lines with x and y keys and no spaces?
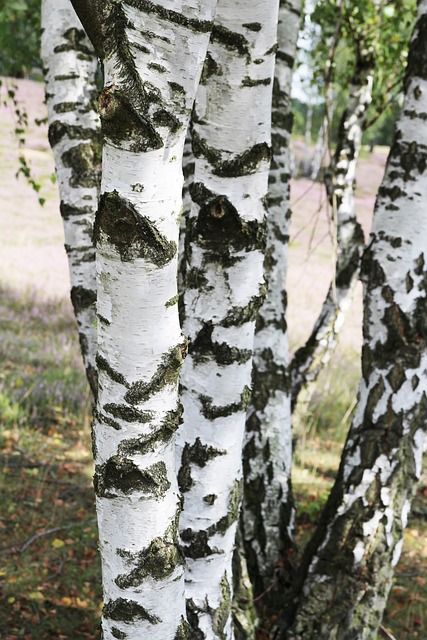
{"x":70,"y":71}
{"x":347,"y":569}
{"x":267,"y":519}
{"x":309,"y":360}
{"x":224,"y":289}
{"x":152,"y":56}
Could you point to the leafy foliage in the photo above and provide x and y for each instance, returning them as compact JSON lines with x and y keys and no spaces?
{"x":19,"y":37}
{"x":346,"y":32}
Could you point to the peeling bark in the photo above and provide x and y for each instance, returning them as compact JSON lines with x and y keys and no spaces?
{"x":346,"y":572}
{"x":70,"y":70}
{"x":224,"y":289}
{"x":267,"y":519}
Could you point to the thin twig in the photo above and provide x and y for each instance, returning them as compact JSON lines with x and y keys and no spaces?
{"x":40,"y":534}
{"x":387,"y":633}
{"x":59,"y":569}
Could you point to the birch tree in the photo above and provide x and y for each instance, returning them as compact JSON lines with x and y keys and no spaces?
{"x":374,"y":34}
{"x":70,"y":71}
{"x":268,"y":512}
{"x":224,"y":288}
{"x":144,"y":110}
{"x":346,"y":571}
{"x":152,"y":58}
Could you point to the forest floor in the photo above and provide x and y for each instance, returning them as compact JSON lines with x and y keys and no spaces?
{"x":49,"y":565}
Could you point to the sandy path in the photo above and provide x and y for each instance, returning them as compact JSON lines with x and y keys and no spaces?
{"x":32,"y":254}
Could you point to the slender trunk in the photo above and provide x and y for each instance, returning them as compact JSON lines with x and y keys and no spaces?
{"x":70,"y":70}
{"x":309,"y":360}
{"x":267,"y":518}
{"x":224,"y":288}
{"x":347,"y":569}
{"x":152,"y":58}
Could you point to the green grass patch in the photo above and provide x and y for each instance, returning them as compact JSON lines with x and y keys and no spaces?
{"x":49,"y":569}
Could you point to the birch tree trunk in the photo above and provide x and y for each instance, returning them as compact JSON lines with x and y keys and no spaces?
{"x":347,"y":569}
{"x":224,"y":289}
{"x":152,"y":56}
{"x":70,"y":70}
{"x":309,"y":360}
{"x":267,"y":518}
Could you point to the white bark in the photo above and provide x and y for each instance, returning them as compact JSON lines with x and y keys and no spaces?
{"x":359,"y":538}
{"x":231,"y":144}
{"x":153,"y":55}
{"x":70,"y":68}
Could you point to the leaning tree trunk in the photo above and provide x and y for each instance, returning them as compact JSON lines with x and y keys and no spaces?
{"x":70,"y":69}
{"x":152,"y":58}
{"x":267,"y":518}
{"x":347,"y":570}
{"x":224,"y":288}
{"x":309,"y":360}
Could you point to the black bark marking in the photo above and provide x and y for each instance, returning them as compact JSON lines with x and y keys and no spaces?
{"x":158,"y":561}
{"x":204,"y":348}
{"x":197,"y":542}
{"x":122,"y":610}
{"x":121,"y":123}
{"x":82,"y":298}
{"x":69,"y":211}
{"x":221,"y":614}
{"x":59,"y":130}
{"x":167,"y":373}
{"x":196,"y":453}
{"x":133,"y":235}
{"x":230,"y":40}
{"x":103,"y":365}
{"x":184,"y":631}
{"x":82,"y":161}
{"x":252,"y":26}
{"x":237,"y":316}
{"x":128,"y":414}
{"x":243,"y":164}
{"x":219,"y":228}
{"x":150,"y":443}
{"x":211,"y":412}
{"x":65,"y":107}
{"x":121,"y":476}
{"x":250,"y":82}
{"x":76,"y":42}
{"x":116,"y":633}
{"x":197,"y":26}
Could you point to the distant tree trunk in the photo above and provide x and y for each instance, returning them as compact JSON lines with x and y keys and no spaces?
{"x":309,"y":359}
{"x":152,"y":59}
{"x":268,"y":511}
{"x":224,"y":289}
{"x":70,"y":70}
{"x":347,"y":569}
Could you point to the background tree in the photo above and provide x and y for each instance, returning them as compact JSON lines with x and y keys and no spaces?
{"x":372,"y":38}
{"x":346,"y":571}
{"x":70,"y":68}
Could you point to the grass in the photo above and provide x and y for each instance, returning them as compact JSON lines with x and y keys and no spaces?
{"x":49,"y":568}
